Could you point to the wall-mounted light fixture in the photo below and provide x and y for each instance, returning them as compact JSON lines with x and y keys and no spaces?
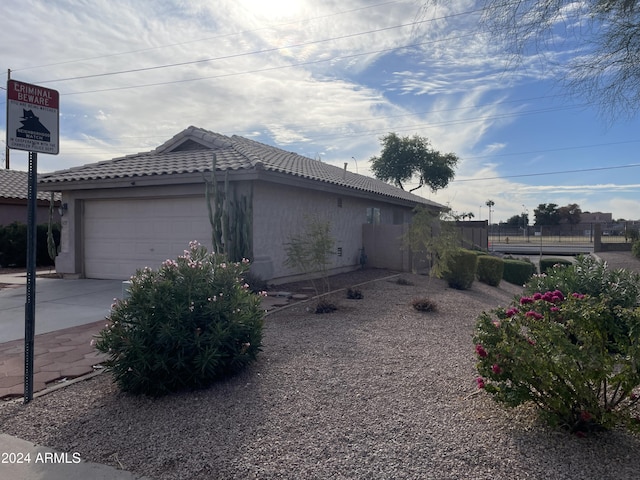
{"x":62,"y":209}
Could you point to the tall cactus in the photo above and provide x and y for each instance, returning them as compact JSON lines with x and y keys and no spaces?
{"x":230,"y":217}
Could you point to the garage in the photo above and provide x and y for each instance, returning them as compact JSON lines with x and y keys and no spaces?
{"x":122,"y":235}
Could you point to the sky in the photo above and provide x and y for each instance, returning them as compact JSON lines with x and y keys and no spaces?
{"x":326,"y":80}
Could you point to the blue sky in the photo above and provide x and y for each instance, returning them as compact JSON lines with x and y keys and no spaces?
{"x":327,"y":80}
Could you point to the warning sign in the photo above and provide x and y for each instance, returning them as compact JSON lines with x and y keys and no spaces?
{"x":32,"y":118}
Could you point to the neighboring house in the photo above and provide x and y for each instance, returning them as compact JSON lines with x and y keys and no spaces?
{"x":14,"y":186}
{"x":139,"y":210}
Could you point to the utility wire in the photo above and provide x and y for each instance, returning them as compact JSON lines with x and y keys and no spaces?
{"x":237,"y":55}
{"x":243,"y":32}
{"x":559,"y":172}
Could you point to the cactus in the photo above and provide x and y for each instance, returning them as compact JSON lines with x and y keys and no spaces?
{"x":230,"y":217}
{"x":51,"y":244}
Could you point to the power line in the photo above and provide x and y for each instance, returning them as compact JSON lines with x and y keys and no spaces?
{"x":243,"y":32}
{"x":559,"y":172}
{"x":244,"y":54}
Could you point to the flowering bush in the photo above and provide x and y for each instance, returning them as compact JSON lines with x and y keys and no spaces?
{"x":590,"y":276}
{"x":576,"y":357}
{"x":184,"y":325}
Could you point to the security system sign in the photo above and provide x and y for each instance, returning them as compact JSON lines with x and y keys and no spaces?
{"x":32,"y":118}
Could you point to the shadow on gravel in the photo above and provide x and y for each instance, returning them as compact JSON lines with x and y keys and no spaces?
{"x":560,"y":455}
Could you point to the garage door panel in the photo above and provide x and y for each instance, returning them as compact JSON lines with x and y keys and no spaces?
{"x":121,"y":236}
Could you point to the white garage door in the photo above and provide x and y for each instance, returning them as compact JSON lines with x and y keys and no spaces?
{"x":121,"y":236}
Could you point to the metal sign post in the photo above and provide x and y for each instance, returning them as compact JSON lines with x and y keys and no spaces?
{"x":32,"y":125}
{"x":30,"y":306}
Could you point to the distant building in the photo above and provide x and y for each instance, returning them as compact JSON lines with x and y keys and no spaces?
{"x":596,"y":217}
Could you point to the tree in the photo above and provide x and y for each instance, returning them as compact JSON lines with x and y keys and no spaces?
{"x":570,"y":213}
{"x":402,"y":158}
{"x":432,"y":237}
{"x":518,"y":220}
{"x":546,"y":214}
{"x":310,"y":251}
{"x":607,"y":32}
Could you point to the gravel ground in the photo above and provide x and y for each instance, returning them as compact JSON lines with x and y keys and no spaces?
{"x":374,"y":390}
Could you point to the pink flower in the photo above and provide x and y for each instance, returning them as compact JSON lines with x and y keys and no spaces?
{"x":534,"y":314}
{"x":482,"y":353}
{"x":585,"y":416}
{"x":579,"y":296}
{"x":531,"y":342}
{"x":496,"y":324}
{"x":511,"y":312}
{"x":495,"y":368}
{"x":537,"y":296}
{"x":525,"y":300}
{"x":480,"y":382}
{"x":555,"y":309}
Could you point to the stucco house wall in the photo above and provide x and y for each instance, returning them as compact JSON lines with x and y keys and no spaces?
{"x":14,"y":199}
{"x":281,"y":212}
{"x":139,"y":210}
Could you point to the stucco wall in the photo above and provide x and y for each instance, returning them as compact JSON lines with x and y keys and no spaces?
{"x":281,"y":211}
{"x":17,"y":212}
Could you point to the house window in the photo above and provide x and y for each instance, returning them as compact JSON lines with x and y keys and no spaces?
{"x":339,"y":202}
{"x":339,"y":251}
{"x":373,"y":215}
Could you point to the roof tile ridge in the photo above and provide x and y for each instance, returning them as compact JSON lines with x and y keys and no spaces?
{"x":239,"y":144}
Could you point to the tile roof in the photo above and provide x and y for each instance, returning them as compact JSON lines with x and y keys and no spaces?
{"x":190,"y":151}
{"x":14,"y":184}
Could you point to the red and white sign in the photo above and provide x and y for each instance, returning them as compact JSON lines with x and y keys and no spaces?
{"x":32,"y":118}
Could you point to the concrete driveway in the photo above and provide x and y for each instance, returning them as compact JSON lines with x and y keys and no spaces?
{"x":60,"y":303}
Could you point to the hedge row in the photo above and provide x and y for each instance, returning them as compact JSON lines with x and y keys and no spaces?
{"x":464,"y":266}
{"x":13,"y":245}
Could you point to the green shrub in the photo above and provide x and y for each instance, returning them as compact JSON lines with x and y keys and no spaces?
{"x":490,"y":270}
{"x":547,"y":263}
{"x":590,"y":276}
{"x":13,"y":245}
{"x":460,"y":269}
{"x":517,"y":272}
{"x":574,"y":358}
{"x":635,"y":249}
{"x":184,"y":325}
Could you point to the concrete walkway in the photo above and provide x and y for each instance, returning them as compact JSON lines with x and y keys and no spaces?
{"x":68,"y":314}
{"x":26,"y":461}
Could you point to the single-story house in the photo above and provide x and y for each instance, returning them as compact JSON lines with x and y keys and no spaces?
{"x":14,"y":186}
{"x":139,"y":210}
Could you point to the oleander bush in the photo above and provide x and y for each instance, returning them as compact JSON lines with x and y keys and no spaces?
{"x":575,"y":357}
{"x":460,"y":269}
{"x":517,"y":272}
{"x":550,"y":262}
{"x":490,"y":270}
{"x":573,"y":351}
{"x":183,"y":326}
{"x":590,"y":276}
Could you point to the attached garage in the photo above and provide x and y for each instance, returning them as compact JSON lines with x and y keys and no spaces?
{"x":121,"y":235}
{"x":139,"y":210}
